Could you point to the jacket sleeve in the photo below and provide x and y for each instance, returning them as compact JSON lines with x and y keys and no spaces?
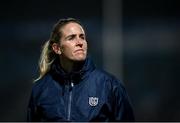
{"x":31,"y":109}
{"x":32,"y":113}
{"x":122,"y":106}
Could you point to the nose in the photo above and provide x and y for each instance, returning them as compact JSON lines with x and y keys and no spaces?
{"x":79,"y":42}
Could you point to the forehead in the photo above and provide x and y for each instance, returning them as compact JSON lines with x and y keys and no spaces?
{"x":72,"y":28}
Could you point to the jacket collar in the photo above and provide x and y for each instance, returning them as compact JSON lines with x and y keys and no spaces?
{"x":59,"y":74}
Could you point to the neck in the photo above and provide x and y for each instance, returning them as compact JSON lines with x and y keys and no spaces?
{"x":69,"y":66}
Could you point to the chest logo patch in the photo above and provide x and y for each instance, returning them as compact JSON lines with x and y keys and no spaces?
{"x":93,"y":101}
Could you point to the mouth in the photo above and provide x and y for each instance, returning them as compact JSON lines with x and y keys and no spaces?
{"x":79,"y":50}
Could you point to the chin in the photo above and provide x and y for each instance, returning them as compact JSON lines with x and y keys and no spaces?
{"x":80,"y":58}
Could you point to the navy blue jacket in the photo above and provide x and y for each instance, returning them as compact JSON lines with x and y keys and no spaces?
{"x":87,"y":95}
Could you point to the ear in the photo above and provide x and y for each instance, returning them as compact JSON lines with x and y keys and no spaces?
{"x":56,"y":48}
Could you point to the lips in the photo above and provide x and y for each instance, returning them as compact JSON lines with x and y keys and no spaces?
{"x":79,"y":50}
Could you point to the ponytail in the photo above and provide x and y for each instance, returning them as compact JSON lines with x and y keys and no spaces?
{"x":46,"y":59}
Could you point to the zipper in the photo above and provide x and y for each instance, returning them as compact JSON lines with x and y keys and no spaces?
{"x":70,"y":101}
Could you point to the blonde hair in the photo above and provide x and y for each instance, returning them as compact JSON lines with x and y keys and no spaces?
{"x":47,"y":54}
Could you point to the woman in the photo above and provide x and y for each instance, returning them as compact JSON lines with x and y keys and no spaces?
{"x":70,"y":87}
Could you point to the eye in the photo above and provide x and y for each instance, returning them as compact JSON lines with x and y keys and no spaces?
{"x":82,"y":36}
{"x":71,"y":37}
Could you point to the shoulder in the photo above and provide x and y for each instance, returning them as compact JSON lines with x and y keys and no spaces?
{"x":110,"y":83}
{"x":109,"y":79}
{"x":40,"y":84}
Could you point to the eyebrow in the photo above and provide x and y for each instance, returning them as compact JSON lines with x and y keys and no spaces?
{"x":73,"y":35}
{"x":82,"y":34}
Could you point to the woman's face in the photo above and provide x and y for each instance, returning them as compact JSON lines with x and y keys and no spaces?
{"x":73,"y":45}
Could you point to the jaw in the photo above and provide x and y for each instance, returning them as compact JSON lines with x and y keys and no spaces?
{"x":79,"y":56}
{"x":75,"y":57}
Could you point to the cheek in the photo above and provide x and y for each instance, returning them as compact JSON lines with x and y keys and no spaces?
{"x":85,"y":45}
{"x":67,"y":49}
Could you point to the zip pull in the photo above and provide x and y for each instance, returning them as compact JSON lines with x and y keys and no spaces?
{"x":72,"y":84}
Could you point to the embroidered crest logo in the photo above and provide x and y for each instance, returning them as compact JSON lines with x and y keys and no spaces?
{"x":93,"y":101}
